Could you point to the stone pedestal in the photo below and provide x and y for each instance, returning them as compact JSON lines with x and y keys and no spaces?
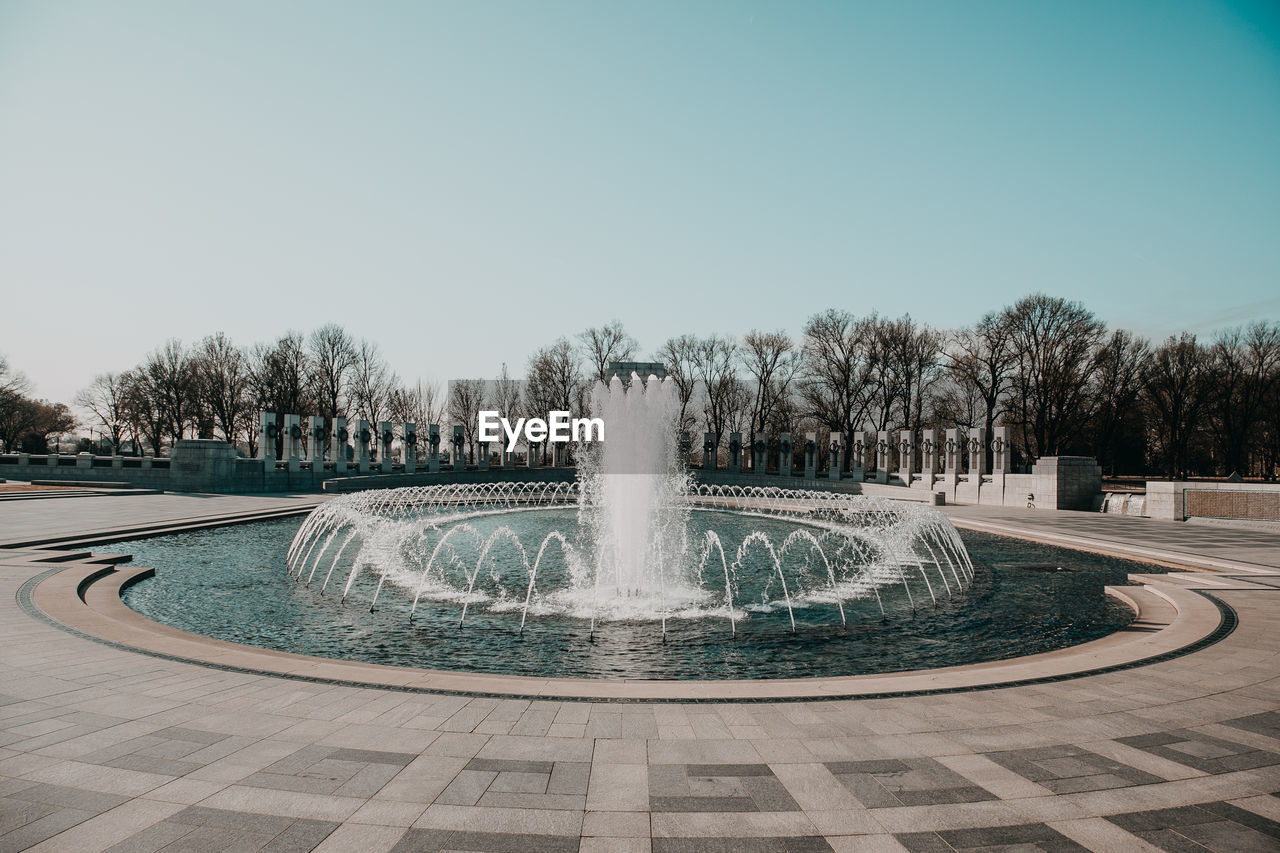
{"x":929,"y":451}
{"x":385,"y":436}
{"x":316,"y":436}
{"x":708,"y":452}
{"x":410,"y":448}
{"x":268,"y":431}
{"x":1001,"y":449}
{"x":906,"y":456}
{"x":293,"y":441}
{"x":433,"y":448}
{"x":977,"y":451}
{"x":951,"y":452}
{"x":858,"y":459}
{"x":786,"y":455}
{"x":364,"y":438}
{"x":202,"y":465}
{"x":735,"y":453}
{"x":459,"y":448}
{"x":338,"y":437}
{"x":810,"y":455}
{"x":84,"y":460}
{"x":883,"y":449}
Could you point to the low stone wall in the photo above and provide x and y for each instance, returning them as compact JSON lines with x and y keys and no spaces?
{"x":1178,"y":501}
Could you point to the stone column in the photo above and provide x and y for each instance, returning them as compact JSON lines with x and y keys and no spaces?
{"x":786,"y":455}
{"x":735,"y":453}
{"x":338,"y":445}
{"x":459,"y":448}
{"x":906,"y":456}
{"x":810,"y":455}
{"x":929,"y":457}
{"x":1001,"y":449}
{"x":708,"y":452}
{"x":951,"y":462}
{"x":433,"y":448}
{"x":835,"y":463}
{"x":533,"y":457}
{"x":883,"y":449}
{"x":759,"y":456}
{"x":268,"y":429}
{"x":315,"y":434}
{"x":364,"y":436}
{"x":482,"y":460}
{"x":977,"y":451}
{"x":508,"y":457}
{"x":858,"y":461}
{"x":292,"y":441}
{"x":410,"y":448}
{"x":385,"y":436}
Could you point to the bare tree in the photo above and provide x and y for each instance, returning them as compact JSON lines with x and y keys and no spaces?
{"x":980,"y":362}
{"x":142,"y":412}
{"x":1244,"y":368}
{"x":771,"y":361}
{"x":15,"y":412}
{"x":715,"y":369}
{"x":837,"y":369}
{"x":167,"y":375}
{"x":555,"y":380}
{"x":1175,"y":394}
{"x":466,"y":399}
{"x":371,"y":383}
{"x":222,"y":376}
{"x":420,"y":403}
{"x":907,"y":366}
{"x":105,"y":398}
{"x":1054,"y":342}
{"x":607,"y":344}
{"x":1119,"y":366}
{"x":278,"y":374}
{"x":680,"y":355}
{"x":506,"y":393}
{"x":331,"y":356}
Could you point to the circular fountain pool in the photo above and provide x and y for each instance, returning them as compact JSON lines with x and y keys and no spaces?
{"x":243,"y":584}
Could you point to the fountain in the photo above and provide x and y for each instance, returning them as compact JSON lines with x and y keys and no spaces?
{"x":632,"y":541}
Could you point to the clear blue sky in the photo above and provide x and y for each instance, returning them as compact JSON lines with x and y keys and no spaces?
{"x":465,"y":181}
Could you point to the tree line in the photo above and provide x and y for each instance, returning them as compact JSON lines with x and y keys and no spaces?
{"x":1046,"y":367}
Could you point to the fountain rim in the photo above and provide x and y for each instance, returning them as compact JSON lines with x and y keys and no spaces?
{"x":84,"y":597}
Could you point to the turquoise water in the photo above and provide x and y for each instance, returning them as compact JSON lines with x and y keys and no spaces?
{"x":231,"y":583}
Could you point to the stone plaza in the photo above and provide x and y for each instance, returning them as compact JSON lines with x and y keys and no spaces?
{"x":120,"y":735}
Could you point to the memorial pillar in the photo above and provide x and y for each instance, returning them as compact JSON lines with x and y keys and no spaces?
{"x":364,"y":437}
{"x":410,"y":448}
{"x":883,"y":450}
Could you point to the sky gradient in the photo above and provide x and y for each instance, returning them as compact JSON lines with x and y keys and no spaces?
{"x":463,"y":182}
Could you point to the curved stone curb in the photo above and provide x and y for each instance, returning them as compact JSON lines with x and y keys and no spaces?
{"x":1171,"y":621}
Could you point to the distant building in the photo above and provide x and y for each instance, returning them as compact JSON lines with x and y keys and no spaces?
{"x":645,"y":369}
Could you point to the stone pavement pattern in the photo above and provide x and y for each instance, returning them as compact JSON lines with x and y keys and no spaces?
{"x":105,"y":749}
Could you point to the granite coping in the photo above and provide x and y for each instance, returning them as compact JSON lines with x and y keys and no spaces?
{"x":86,"y":596}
